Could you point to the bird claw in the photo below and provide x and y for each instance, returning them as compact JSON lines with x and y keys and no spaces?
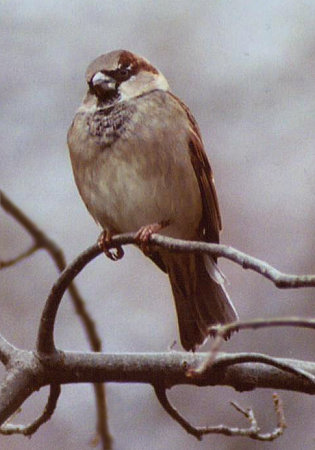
{"x":104,"y":243}
{"x":144,"y":233}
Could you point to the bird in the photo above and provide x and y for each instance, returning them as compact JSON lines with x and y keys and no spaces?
{"x":139,"y":164}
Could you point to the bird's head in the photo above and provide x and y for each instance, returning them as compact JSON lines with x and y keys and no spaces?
{"x":121,"y":75}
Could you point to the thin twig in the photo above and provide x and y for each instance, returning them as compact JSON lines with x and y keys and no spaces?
{"x":160,"y":392}
{"x":266,"y":359}
{"x":254,"y":324}
{"x":52,"y":304}
{"x":221,"y":331}
{"x":11,"y":262}
{"x":211,"y":358}
{"x":281,"y":423}
{"x":41,"y":240}
{"x":45,"y":336}
{"x":253,"y":431}
{"x":28,"y":430}
{"x":279,"y":411}
{"x":280,"y":279}
{"x":102,"y":419}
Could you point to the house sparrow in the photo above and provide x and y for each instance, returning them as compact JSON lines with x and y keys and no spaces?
{"x":139,"y":164}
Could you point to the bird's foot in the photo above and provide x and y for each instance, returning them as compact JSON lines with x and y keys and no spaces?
{"x":104,"y":243}
{"x":144,"y":233}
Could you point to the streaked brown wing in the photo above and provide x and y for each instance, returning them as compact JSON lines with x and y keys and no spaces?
{"x":211,"y":220}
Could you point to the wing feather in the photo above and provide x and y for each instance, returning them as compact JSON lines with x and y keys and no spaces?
{"x":211,"y":219}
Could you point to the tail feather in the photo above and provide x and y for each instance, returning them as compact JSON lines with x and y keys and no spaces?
{"x":200,"y":298}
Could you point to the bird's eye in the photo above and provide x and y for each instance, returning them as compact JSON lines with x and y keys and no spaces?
{"x":123,"y":73}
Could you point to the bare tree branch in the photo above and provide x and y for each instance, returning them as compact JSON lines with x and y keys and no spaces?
{"x":172,"y":369}
{"x":102,"y":430}
{"x":45,"y":338}
{"x":252,"y":357}
{"x":28,"y":430}
{"x":29,"y":371}
{"x":274,"y":434}
{"x":41,"y":240}
{"x":298,"y":322}
{"x":280,"y":279}
{"x":221,"y":331}
{"x":252,"y":432}
{"x":18,"y":383}
{"x":11,"y":262}
{"x":45,"y":334}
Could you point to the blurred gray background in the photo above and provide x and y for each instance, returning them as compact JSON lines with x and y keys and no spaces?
{"x":247,"y":71}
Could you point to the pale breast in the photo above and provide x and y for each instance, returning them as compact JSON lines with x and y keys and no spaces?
{"x":132,"y":166}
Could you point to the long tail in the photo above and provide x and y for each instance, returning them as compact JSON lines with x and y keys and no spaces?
{"x":200,"y":297}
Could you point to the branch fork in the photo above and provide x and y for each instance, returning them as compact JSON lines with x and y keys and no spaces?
{"x":29,"y":371}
